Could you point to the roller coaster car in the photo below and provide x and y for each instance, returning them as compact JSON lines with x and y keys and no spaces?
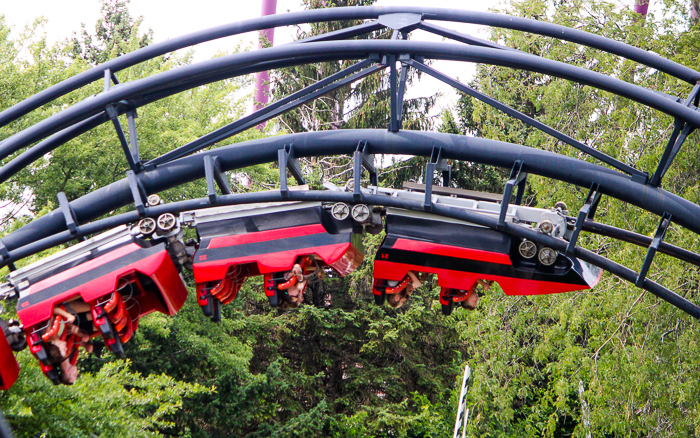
{"x":114,"y":278}
{"x":461,"y":253}
{"x":238,"y":242}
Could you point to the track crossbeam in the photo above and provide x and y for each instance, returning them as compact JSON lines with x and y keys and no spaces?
{"x":658,"y":238}
{"x":681,"y":131}
{"x":436,"y":163}
{"x":287,"y":160}
{"x":586,"y":213}
{"x":518,"y":177}
{"x":215,"y":177}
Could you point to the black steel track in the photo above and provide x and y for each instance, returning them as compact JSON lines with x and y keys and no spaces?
{"x":341,"y":14}
{"x":175,"y":173}
{"x":476,"y":218}
{"x":226,"y":67}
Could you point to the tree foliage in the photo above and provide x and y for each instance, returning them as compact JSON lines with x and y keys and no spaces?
{"x":613,"y":361}
{"x":113,"y":34}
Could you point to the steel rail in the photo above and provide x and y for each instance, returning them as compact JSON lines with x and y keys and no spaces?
{"x":528,"y":120}
{"x":490,"y":221}
{"x":640,"y":240}
{"x":353,"y":73}
{"x":352,"y":13}
{"x":47,"y":145}
{"x":340,"y":51}
{"x":535,"y":161}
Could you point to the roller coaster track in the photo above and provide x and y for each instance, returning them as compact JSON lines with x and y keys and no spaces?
{"x":611,"y":178}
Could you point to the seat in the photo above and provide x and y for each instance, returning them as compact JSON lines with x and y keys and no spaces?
{"x":120,"y":284}
{"x":268,"y":240}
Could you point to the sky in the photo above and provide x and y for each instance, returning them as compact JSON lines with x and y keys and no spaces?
{"x":173,"y":18}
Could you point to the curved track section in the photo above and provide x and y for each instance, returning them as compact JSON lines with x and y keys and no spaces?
{"x":397,"y":55}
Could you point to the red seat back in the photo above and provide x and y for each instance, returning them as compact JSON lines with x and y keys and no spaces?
{"x":9,"y":368}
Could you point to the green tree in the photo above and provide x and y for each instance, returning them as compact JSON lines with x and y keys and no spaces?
{"x":95,"y":159}
{"x":612,"y":361}
{"x":114,"y":402}
{"x":113,"y":34}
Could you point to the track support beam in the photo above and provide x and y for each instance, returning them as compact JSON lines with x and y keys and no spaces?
{"x":68,"y":214}
{"x":658,"y":238}
{"x":393,"y":89}
{"x":287,"y":160}
{"x":403,"y":22}
{"x":401,"y":91}
{"x":137,"y":192}
{"x":362,"y":158}
{"x":214,"y":176}
{"x":437,"y":162}
{"x":681,"y":131}
{"x":343,"y":34}
{"x":518,"y":178}
{"x":131,"y":157}
{"x":586,"y":212}
{"x":5,"y":254}
{"x":462,"y":38}
{"x":109,"y":78}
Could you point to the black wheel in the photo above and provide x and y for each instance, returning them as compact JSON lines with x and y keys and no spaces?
{"x":447,"y":308}
{"x":207,"y":308}
{"x":216,"y":316}
{"x":379,"y":299}
{"x":117,"y":347}
{"x":53,"y":376}
{"x":274,"y":300}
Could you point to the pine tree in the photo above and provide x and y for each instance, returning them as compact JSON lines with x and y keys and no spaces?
{"x":363,"y":104}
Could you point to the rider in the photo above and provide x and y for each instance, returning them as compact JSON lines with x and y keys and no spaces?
{"x":472,"y":296}
{"x":78,"y":322}
{"x":398,"y":299}
{"x":295,"y":294}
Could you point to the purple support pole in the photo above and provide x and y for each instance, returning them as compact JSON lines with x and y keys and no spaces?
{"x":262,"y":79}
{"x":641,"y":7}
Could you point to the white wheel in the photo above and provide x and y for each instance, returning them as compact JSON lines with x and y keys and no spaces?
{"x":527,"y":249}
{"x":547,"y":256}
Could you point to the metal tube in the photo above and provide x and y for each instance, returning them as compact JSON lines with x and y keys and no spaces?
{"x":262,"y":79}
{"x":346,"y":50}
{"x":539,"y":162}
{"x":641,"y":7}
{"x":351,"y":13}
